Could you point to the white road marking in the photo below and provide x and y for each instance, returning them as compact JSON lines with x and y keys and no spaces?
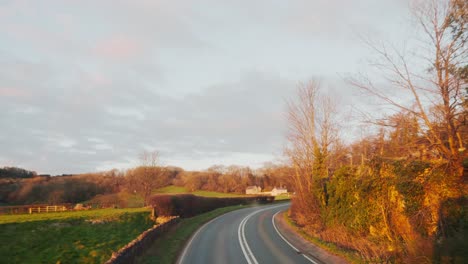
{"x":309,"y":259}
{"x":249,"y":256}
{"x":282,"y":237}
{"x":287,"y":242}
{"x":245,"y":248}
{"x":181,"y":259}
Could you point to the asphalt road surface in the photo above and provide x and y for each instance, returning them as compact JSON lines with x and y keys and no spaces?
{"x":243,"y":236}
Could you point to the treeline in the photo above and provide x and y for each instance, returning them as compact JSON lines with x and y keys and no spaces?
{"x":235,"y":179}
{"x":114,"y":187}
{"x":398,"y":195}
{"x":58,"y":189}
{"x":14,"y":172}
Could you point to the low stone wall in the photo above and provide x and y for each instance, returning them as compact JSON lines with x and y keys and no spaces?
{"x":128,"y":253}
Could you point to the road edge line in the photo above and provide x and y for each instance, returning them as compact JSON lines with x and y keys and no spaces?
{"x":287,"y":242}
{"x":184,"y":252}
{"x":282,"y":237}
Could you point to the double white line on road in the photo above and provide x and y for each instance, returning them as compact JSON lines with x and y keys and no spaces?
{"x":249,"y":256}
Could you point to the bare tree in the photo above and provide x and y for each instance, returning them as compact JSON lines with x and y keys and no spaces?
{"x":148,"y":176}
{"x":438,"y":91}
{"x":312,"y":132}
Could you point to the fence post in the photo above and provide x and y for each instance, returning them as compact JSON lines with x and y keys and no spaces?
{"x":30,"y":210}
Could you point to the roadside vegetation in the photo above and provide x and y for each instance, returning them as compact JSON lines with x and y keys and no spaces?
{"x":350,"y":255}
{"x":69,"y":237}
{"x":397,"y":195}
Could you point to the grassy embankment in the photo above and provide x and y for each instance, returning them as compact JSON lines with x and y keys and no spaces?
{"x":69,"y":237}
{"x":349,"y":255}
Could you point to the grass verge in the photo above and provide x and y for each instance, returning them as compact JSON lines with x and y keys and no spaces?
{"x":74,"y":237}
{"x":283,"y":197}
{"x":330,"y":247}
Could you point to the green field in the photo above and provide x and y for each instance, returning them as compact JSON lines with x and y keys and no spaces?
{"x":282,"y":197}
{"x":69,"y":237}
{"x":171,"y":189}
{"x":178,"y":190}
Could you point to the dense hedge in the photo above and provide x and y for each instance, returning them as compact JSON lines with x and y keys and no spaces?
{"x":188,"y":205}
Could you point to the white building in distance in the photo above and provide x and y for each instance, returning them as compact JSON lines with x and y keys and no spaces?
{"x":278,"y":190}
{"x":253,"y":190}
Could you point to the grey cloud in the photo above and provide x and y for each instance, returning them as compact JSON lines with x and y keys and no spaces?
{"x":86,"y":85}
{"x":90,"y":125}
{"x":244,"y":116}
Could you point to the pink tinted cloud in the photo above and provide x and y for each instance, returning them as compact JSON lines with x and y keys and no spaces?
{"x":3,"y":12}
{"x":118,"y":47}
{"x":100,"y":79}
{"x":13,"y":92}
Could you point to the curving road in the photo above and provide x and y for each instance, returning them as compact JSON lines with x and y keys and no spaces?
{"x":244,"y":236}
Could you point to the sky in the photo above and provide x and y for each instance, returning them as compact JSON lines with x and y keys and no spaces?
{"x":89,"y":85}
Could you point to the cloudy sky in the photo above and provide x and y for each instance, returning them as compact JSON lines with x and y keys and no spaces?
{"x":88,"y":85}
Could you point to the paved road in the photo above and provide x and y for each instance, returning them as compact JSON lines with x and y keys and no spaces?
{"x":244,"y":236}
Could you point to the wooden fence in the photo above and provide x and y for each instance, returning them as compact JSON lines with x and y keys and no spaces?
{"x":47,"y":209}
{"x":35,"y":208}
